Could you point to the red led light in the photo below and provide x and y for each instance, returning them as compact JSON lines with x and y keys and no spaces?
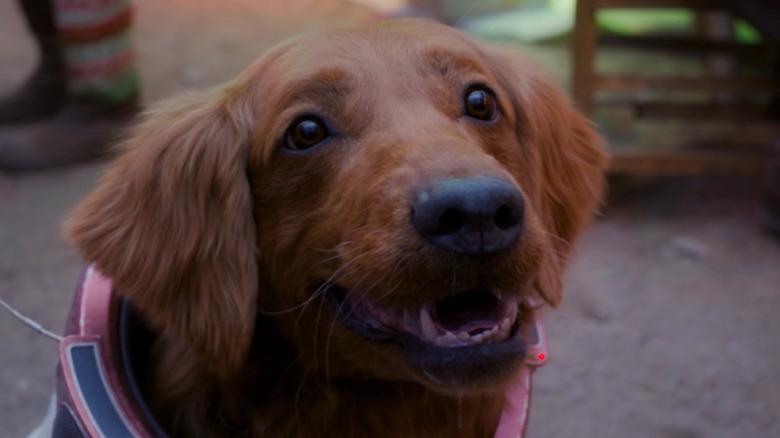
{"x":542,"y":356}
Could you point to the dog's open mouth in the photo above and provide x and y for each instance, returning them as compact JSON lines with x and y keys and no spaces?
{"x":469,"y":318}
{"x":471,"y":338}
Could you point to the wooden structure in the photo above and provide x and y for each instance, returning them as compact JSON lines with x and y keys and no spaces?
{"x":587,"y":82}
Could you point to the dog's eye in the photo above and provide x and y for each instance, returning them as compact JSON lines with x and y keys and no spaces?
{"x":306,"y":132}
{"x":480,"y":103}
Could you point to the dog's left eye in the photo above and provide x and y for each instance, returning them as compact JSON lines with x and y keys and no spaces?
{"x":305,"y":133}
{"x":480,"y":103}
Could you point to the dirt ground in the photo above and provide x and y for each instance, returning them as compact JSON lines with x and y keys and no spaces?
{"x":670,"y":325}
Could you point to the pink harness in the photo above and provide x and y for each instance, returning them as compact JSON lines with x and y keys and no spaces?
{"x":97,"y":395}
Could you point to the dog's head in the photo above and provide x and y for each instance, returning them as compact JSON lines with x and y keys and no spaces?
{"x":387,"y":197}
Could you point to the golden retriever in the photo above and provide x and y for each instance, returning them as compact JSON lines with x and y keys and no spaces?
{"x":338,"y":242}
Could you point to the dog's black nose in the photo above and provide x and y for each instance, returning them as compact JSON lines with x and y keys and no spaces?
{"x":476,"y":216}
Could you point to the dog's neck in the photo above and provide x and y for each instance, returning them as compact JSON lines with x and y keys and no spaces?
{"x":275,"y":396}
{"x":295,"y":399}
{"x":387,"y":409}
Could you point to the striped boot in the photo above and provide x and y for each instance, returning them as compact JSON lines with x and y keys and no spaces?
{"x":97,"y":41}
{"x":102,"y":89}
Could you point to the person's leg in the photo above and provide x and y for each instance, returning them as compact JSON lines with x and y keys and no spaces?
{"x":97,"y":42}
{"x":44,"y":91}
{"x":103,"y":88}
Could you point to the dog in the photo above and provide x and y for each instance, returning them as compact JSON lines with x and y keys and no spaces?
{"x":342,"y":241}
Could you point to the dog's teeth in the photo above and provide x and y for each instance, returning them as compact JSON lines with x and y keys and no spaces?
{"x":426,"y":323}
{"x":505,"y":325}
{"x":478,"y":339}
{"x":512,"y":314}
{"x":464,"y":336}
{"x":450,"y":338}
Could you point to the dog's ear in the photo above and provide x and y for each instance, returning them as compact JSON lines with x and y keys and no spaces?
{"x":568,"y":161}
{"x":171,"y":224}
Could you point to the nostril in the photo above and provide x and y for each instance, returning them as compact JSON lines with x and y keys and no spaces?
{"x":504,"y":218}
{"x":451,"y":221}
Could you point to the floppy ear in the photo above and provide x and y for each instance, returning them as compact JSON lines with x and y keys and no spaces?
{"x":568,"y":157}
{"x":171,"y":223}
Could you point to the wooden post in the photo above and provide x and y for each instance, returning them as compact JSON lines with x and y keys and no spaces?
{"x":583,"y":54}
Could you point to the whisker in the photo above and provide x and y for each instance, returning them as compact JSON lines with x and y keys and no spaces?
{"x":320,"y":290}
{"x":347,"y":299}
{"x":327,"y":284}
{"x":334,"y":323}
{"x":557,"y":238}
{"x":397,"y":284}
{"x":316,"y":340}
{"x":363,"y":296}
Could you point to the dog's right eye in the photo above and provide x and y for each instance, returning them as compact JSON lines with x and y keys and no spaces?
{"x":305,"y":133}
{"x":480,"y":103}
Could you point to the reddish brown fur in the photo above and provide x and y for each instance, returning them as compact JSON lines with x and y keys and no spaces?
{"x":203,"y":222}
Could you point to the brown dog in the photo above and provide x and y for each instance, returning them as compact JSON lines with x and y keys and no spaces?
{"x":336,"y":243}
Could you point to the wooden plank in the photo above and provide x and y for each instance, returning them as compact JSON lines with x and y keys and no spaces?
{"x":645,"y":163}
{"x":691,"y":45}
{"x":618,"y":82}
{"x":700,"y":111}
{"x":583,"y":54}
{"x":654,"y":4}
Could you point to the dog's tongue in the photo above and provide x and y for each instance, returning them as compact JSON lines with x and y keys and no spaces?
{"x":469,"y":311}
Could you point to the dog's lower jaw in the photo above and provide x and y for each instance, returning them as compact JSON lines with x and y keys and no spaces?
{"x":277,"y":394}
{"x":385,"y":410}
{"x":299,"y":403}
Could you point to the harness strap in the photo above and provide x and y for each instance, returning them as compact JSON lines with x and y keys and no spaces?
{"x":93,"y":395}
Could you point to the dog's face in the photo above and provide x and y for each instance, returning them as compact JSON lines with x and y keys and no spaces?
{"x":388,"y":198}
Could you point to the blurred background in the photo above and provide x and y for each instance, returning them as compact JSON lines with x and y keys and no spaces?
{"x":670,"y":323}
